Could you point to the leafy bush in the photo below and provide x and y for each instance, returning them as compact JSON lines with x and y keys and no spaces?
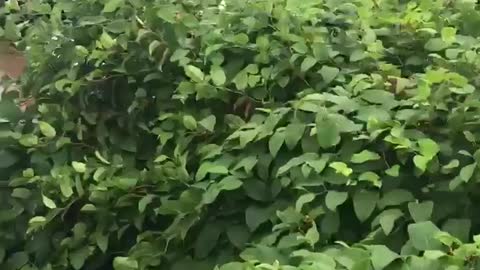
{"x":267,"y":134}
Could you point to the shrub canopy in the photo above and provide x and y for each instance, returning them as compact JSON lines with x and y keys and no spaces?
{"x":267,"y":134}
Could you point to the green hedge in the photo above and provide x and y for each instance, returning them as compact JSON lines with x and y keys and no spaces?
{"x":267,"y":134}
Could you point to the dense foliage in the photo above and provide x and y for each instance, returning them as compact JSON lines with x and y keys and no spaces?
{"x":266,"y":134}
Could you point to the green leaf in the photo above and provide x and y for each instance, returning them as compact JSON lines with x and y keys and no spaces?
{"x":7,"y":159}
{"x":420,"y":211}
{"x":296,"y":161}
{"x":334,"y":199}
{"x":423,"y":235}
{"x":312,"y":236}
{"x":293,"y":133}
{"x":194,"y":73}
{"x":382,"y":256}
{"x":365,"y":156}
{"x":370,"y":177}
{"x":125,"y":263}
{"x":394,"y":171}
{"x":256,"y":216}
{"x":11,"y":30}
{"x":230,"y":183}
{"x":421,"y":162}
{"x":218,"y":76}
{"x":78,"y":257}
{"x":302,"y":200}
{"x":396,"y":197}
{"x":387,"y":219}
{"x":79,"y":167}
{"x":435,"y":45}
{"x":276,"y":142}
{"x":209,"y":167}
{"x":308,"y":63}
{"x":28,"y":140}
{"x":21,"y":193}
{"x":47,"y":130}
{"x":189,"y":122}
{"x":364,"y":203}
{"x":206,"y":240}
{"x":144,"y":202}
{"x":341,"y":168}
{"x":328,"y":134}
{"x":102,"y":241}
{"x":208,"y":122}
{"x":329,"y":73}
{"x":238,"y":235}
{"x":467,"y":172}
{"x":112,"y":5}
{"x":241,"y":80}
{"x":428,"y":148}
{"x":48,"y":202}
{"x":448,"y":34}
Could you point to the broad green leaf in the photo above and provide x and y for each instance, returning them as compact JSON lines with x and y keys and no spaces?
{"x":435,"y":45}
{"x":208,"y":122}
{"x":293,"y":133}
{"x":79,"y":167}
{"x":28,"y":140}
{"x":112,"y":5}
{"x":420,"y":211}
{"x":125,"y":263}
{"x":256,"y":216}
{"x":393,"y":171}
{"x":364,"y":203}
{"x":334,"y":199}
{"x":241,"y":80}
{"x":276,"y":142}
{"x":302,"y":200}
{"x":300,"y":47}
{"x":423,"y":235}
{"x":48,"y":202}
{"x":21,"y":193}
{"x":189,"y":122}
{"x":218,"y":76}
{"x":11,"y":31}
{"x":387,"y":219}
{"x":421,"y":162}
{"x":206,"y":240}
{"x":428,"y":148}
{"x":467,"y":172}
{"x":458,"y":228}
{"x":296,"y":161}
{"x":307,"y":63}
{"x":370,"y":177}
{"x":144,"y":202}
{"x":312,"y":236}
{"x":329,"y":73}
{"x":78,"y":257}
{"x":328,"y":134}
{"x":194,"y":73}
{"x":320,"y":164}
{"x":365,"y":156}
{"x":448,"y":34}
{"x":102,"y":241}
{"x":341,"y":168}
{"x":396,"y":197}
{"x":209,"y":167}
{"x":47,"y":130}
{"x":382,"y":256}
{"x":238,"y":235}
{"x":230,"y":183}
{"x":7,"y":159}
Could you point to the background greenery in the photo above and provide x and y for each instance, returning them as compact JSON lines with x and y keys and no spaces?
{"x":267,"y":134}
